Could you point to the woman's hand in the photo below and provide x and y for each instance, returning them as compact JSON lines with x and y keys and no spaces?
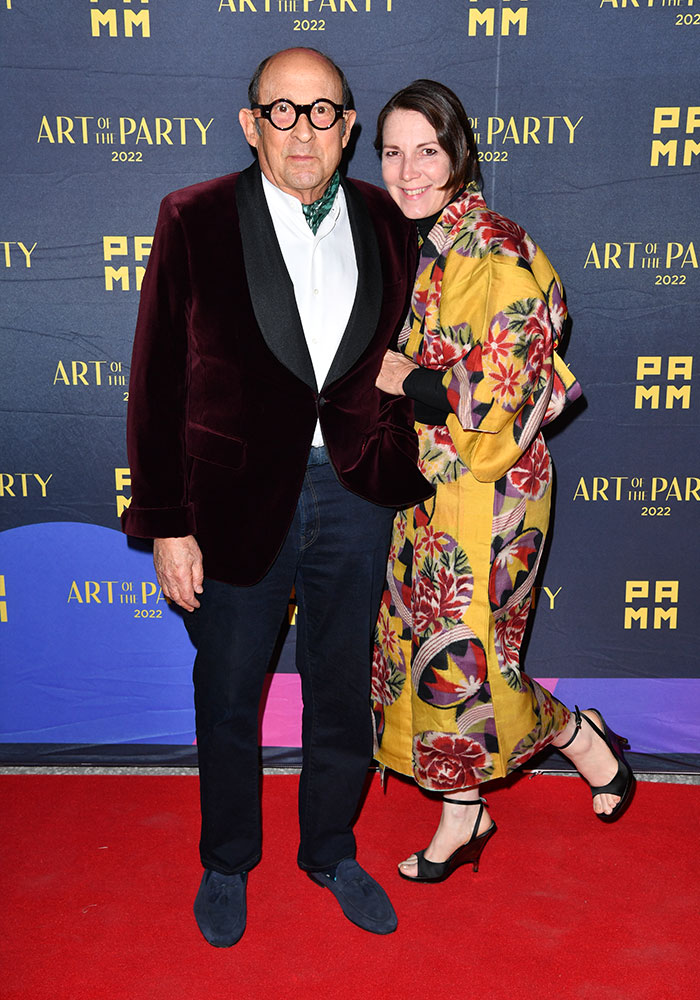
{"x":395,"y":368}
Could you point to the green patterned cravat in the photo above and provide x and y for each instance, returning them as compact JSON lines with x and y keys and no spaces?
{"x":316,"y":212}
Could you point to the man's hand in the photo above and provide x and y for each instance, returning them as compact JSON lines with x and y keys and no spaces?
{"x":179,"y":568}
{"x":395,"y":368}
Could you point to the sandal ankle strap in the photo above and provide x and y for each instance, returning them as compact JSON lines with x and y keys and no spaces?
{"x":579,"y":721}
{"x":465,"y":802}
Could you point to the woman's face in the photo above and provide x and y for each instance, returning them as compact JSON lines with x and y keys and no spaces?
{"x":414,"y":166}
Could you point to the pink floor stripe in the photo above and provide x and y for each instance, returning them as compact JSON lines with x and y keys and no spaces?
{"x":548,"y":682}
{"x":281,"y":723}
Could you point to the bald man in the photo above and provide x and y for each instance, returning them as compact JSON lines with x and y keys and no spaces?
{"x":263,"y":458}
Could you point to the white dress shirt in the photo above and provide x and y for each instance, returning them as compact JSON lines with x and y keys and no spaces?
{"x":323,"y":270}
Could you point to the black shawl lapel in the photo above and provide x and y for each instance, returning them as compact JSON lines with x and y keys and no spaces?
{"x":269,"y":284}
{"x":272,"y":292}
{"x":364,"y":317}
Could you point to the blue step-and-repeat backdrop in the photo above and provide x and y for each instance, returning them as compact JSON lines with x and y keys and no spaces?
{"x":587,"y":114}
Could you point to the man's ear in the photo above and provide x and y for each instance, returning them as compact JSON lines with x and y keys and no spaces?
{"x":348,"y":122}
{"x":249,"y":124}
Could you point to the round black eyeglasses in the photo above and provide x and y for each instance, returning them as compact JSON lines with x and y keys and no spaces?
{"x":283,"y":114}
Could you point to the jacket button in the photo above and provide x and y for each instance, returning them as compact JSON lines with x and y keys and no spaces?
{"x":322,"y":401}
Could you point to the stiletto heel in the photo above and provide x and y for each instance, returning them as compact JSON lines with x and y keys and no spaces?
{"x":469,"y":853}
{"x":624,"y":782}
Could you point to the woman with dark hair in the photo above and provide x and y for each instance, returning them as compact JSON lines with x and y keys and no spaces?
{"x":478,"y":356}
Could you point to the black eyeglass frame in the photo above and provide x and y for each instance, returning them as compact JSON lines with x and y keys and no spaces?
{"x":300,"y":109}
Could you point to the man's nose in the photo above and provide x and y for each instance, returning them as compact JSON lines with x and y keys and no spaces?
{"x":303,"y":129}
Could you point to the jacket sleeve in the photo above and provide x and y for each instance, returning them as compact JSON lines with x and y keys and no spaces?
{"x":156,"y":414}
{"x":500,"y":391}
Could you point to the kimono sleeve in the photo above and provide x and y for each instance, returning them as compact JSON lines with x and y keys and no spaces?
{"x":500,"y":391}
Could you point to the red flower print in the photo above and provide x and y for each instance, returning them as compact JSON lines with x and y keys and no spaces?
{"x":505,"y":236}
{"x":432,"y":306}
{"x":443,"y":762}
{"x":509,"y":636}
{"x":538,"y":334}
{"x":455,"y":594}
{"x":531,"y":326}
{"x":442,"y":438}
{"x":387,"y":636}
{"x":381,"y":674}
{"x":425,"y":603}
{"x":499,"y":344}
{"x":429,"y":542}
{"x":439,"y":353}
{"x":505,"y":383}
{"x":536,"y":358}
{"x":533,"y":472}
{"x":453,"y":213}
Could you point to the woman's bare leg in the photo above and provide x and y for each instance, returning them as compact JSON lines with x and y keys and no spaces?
{"x":455,"y":828}
{"x":591,"y":758}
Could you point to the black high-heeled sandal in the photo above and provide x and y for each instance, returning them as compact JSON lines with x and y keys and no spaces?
{"x":624,"y":782}
{"x":438,"y":871}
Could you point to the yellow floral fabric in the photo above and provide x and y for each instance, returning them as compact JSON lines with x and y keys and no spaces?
{"x":451,"y":704}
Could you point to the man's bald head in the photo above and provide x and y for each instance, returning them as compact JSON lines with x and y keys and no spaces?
{"x":254,"y":86}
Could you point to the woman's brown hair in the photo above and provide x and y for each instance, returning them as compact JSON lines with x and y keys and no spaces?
{"x":444,"y":110}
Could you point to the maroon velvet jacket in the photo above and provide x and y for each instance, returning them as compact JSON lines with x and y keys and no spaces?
{"x":222,"y":398}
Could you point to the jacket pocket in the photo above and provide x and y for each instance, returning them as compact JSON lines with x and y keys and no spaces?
{"x":218,"y":449}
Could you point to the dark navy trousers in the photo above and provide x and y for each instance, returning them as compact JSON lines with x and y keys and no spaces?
{"x":335,"y":557}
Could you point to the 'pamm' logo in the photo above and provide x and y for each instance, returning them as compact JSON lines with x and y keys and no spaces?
{"x":487,"y":21}
{"x":638,"y":594}
{"x":681,"y":121}
{"x":124,"y":20}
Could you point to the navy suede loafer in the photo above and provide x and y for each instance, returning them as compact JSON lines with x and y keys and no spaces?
{"x":220,"y":907}
{"x":362,"y":900}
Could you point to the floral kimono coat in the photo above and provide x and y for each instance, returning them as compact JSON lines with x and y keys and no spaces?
{"x":451,"y":704}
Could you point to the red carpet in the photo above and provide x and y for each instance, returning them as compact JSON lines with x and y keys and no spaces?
{"x":100,"y":874}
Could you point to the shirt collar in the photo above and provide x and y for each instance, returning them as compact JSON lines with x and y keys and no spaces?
{"x":289,"y":208}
